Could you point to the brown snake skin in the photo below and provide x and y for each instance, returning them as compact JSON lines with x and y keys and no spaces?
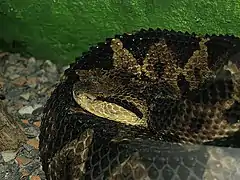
{"x":155,"y":104}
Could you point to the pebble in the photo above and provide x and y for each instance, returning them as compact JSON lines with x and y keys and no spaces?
{"x":31,"y":61}
{"x":31,"y":131}
{"x":29,"y":109}
{"x":19,"y":81}
{"x":22,"y":161}
{"x":33,"y":142}
{"x":10,"y":171}
{"x":32,"y":82}
{"x":49,"y":66}
{"x":26,"y":84}
{"x":37,"y":111}
{"x":14,"y":76}
{"x":37,"y":123}
{"x":25,"y":96}
{"x":8,"y":155}
{"x":26,"y":110}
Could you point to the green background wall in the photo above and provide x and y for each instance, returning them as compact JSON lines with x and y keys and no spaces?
{"x":60,"y":30}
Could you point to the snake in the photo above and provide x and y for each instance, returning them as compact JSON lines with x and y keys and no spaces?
{"x":154,"y":104}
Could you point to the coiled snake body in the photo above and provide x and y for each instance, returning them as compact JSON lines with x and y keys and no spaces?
{"x":147,"y":105}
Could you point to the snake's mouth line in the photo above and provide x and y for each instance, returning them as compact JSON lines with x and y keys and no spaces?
{"x":128,"y":106}
{"x":110,"y":108}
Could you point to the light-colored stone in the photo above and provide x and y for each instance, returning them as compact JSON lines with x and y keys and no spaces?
{"x":14,"y":76}
{"x":26,"y":110}
{"x":8,"y":155}
{"x":25,"y":96}
{"x":29,"y":109}
{"x":49,"y":66}
{"x":31,"y":60}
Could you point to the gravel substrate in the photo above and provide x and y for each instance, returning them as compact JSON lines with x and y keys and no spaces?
{"x":26,"y":85}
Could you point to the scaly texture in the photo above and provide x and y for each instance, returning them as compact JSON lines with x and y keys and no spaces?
{"x":121,"y":105}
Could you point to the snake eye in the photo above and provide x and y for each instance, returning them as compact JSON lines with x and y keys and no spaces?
{"x":75,"y":93}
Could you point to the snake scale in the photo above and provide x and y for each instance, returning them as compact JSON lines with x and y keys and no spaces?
{"x":155,"y":104}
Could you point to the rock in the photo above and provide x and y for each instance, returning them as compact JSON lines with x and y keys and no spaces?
{"x":15,"y":92}
{"x":25,"y":84}
{"x":1,"y":83}
{"x":31,"y":61}
{"x":28,"y":151}
{"x":43,"y":79}
{"x":31,"y":132}
{"x":11,"y":132}
{"x":49,"y":66}
{"x":13,"y":58}
{"x":26,"y":110}
{"x":20,"y":81}
{"x":29,"y":109}
{"x":33,"y":142}
{"x":38,"y":111}
{"x":36,"y":106}
{"x":22,"y":161}
{"x":32,"y":82}
{"x":32,"y":165}
{"x":34,"y":177}
{"x":9,"y":171}
{"x":8,"y":155}
{"x":25,"y":96}
{"x":14,"y":76}
{"x":37,"y":123}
